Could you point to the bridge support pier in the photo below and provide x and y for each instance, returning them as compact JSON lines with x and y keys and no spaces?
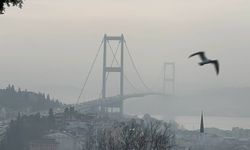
{"x":169,"y":78}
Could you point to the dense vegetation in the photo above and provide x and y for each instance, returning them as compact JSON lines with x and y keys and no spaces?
{"x":26,"y":128}
{"x":18,"y":100}
{"x":8,"y":3}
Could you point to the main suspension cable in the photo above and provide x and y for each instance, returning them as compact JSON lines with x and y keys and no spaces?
{"x":137,"y":72}
{"x":90,"y":70}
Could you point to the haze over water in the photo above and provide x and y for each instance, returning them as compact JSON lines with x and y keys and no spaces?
{"x":225,"y":123}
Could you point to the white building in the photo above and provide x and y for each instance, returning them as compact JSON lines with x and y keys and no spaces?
{"x":3,"y":113}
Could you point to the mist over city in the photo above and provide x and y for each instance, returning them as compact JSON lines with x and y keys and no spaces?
{"x":124,"y":75}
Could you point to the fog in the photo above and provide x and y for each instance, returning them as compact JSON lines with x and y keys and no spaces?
{"x":48,"y":46}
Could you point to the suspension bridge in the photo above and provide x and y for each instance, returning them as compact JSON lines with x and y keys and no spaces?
{"x":114,"y":104}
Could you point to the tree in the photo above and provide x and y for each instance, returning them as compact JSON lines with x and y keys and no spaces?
{"x":51,"y":118}
{"x":21,"y":101}
{"x":147,"y":134}
{"x":24,"y":129}
{"x":18,"y":3}
{"x":48,"y":97}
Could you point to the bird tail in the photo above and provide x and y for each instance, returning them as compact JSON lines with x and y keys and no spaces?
{"x":201,"y":63}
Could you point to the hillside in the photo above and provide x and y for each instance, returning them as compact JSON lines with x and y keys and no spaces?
{"x":23,"y":100}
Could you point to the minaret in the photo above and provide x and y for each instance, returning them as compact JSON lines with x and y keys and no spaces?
{"x":202,"y":138}
{"x":202,"y":124}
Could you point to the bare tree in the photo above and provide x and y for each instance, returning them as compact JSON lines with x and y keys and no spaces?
{"x":136,"y":135}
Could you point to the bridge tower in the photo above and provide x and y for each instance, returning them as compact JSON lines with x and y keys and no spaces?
{"x":169,"y":78}
{"x":110,"y":69}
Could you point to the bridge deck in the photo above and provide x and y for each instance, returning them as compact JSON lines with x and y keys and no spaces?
{"x":114,"y":101}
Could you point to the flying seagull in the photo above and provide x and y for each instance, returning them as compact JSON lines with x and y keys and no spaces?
{"x":207,"y":61}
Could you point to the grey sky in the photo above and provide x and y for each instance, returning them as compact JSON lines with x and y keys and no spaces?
{"x":49,"y":45}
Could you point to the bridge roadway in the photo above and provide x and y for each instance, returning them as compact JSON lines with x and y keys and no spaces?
{"x":110,"y":102}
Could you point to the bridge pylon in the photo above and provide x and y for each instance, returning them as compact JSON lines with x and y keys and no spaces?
{"x":109,"y":69}
{"x":169,"y":78}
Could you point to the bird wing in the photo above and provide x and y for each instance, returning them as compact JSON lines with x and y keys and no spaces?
{"x":201,"y":54}
{"x":217,"y":66}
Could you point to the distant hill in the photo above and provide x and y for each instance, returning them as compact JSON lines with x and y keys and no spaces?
{"x":23,"y":100}
{"x":225,"y":102}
